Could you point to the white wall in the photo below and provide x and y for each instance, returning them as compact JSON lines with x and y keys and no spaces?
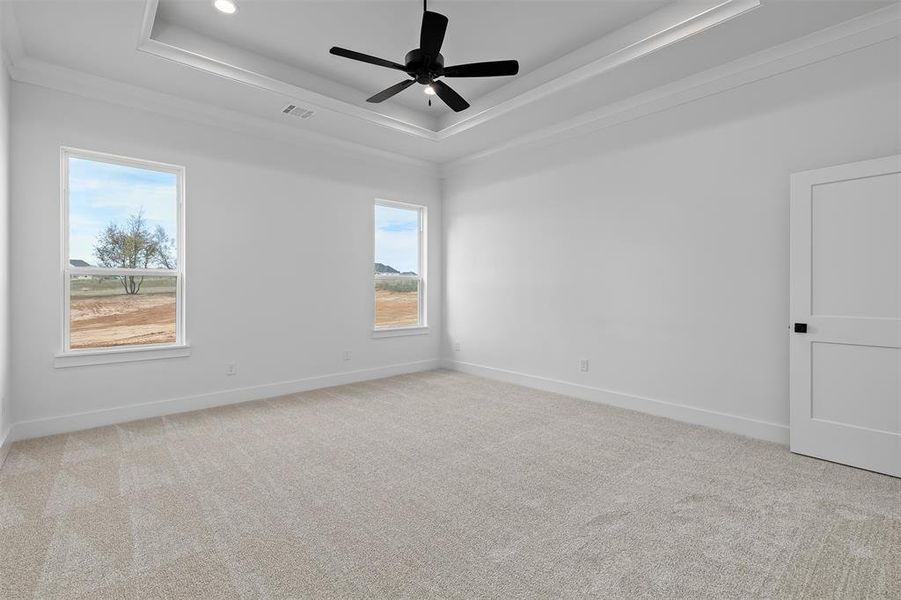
{"x":5,"y":402}
{"x":279,"y":264}
{"x":658,"y":249}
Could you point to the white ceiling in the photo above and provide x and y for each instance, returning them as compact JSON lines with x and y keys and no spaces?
{"x":562,"y":46}
{"x":534,"y":32}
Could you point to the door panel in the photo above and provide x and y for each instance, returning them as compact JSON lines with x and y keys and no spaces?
{"x":845,"y":372}
{"x":856,"y":257}
{"x":856,"y":385}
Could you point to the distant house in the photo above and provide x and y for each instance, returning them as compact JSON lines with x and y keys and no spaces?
{"x":77,"y":262}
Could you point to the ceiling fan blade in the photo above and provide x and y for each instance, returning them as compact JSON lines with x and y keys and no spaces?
{"x":497,"y":68}
{"x":373,"y":60}
{"x":431,"y":36}
{"x":394,"y":89}
{"x":450,"y":97}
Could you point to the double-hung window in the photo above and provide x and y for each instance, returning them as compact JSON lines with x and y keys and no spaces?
{"x":123,"y":253}
{"x":399,"y":266}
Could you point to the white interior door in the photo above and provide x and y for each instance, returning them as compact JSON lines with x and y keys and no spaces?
{"x":846,"y":288}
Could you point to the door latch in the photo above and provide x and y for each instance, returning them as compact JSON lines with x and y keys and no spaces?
{"x":800,"y":327}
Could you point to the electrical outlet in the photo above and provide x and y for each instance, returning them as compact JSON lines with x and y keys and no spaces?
{"x":346,"y":355}
{"x":231,"y":368}
{"x":456,"y":346}
{"x":583,"y":365}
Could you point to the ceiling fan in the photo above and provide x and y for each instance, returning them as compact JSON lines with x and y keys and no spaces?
{"x":426,"y":64}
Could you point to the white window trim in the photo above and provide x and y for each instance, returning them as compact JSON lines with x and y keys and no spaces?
{"x":68,"y":357}
{"x":422,"y":328}
{"x":106,"y":356}
{"x":400,"y":331}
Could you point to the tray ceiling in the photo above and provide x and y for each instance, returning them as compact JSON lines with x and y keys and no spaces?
{"x":299,"y":34}
{"x":579,"y":58}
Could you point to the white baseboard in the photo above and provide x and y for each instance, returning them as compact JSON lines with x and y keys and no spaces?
{"x":755,"y":428}
{"x":122,"y":414}
{"x":5,"y":441}
{"x":764,"y":430}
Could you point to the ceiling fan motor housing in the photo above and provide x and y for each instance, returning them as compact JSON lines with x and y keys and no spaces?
{"x":425,"y":64}
{"x":423,"y":67}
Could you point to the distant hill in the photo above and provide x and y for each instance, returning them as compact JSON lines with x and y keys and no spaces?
{"x":389,"y":270}
{"x":380,"y":268}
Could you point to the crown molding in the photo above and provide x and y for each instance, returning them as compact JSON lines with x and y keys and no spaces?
{"x":226,"y":70}
{"x":44,"y":74}
{"x":648,"y":35}
{"x":854,"y":34}
{"x":685,"y":25}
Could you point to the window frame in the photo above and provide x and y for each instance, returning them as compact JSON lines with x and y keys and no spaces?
{"x":126,"y":353}
{"x":422,"y":326}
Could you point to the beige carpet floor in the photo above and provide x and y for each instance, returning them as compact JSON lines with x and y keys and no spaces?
{"x":437,"y":485}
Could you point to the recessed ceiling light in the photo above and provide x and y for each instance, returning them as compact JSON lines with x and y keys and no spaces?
{"x":429,"y":90}
{"x":228,"y":7}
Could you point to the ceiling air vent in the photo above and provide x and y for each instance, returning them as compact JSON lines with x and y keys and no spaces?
{"x":297,"y":111}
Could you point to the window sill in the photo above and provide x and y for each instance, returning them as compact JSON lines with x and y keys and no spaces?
{"x":399,"y":331}
{"x":85,"y":358}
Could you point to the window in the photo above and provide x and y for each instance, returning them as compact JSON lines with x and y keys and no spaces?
{"x":123,"y":255}
{"x":399,"y":266}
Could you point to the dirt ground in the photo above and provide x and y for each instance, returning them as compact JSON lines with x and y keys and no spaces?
{"x":104,"y":321}
{"x":396,"y":308}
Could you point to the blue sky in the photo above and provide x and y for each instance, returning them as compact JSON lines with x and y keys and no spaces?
{"x":397,"y":238}
{"x":103,"y":193}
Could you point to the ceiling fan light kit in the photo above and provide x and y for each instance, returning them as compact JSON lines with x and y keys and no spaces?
{"x":228,"y":7}
{"x":426,"y":64}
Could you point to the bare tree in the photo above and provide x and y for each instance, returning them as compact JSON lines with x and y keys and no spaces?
{"x":134,"y":246}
